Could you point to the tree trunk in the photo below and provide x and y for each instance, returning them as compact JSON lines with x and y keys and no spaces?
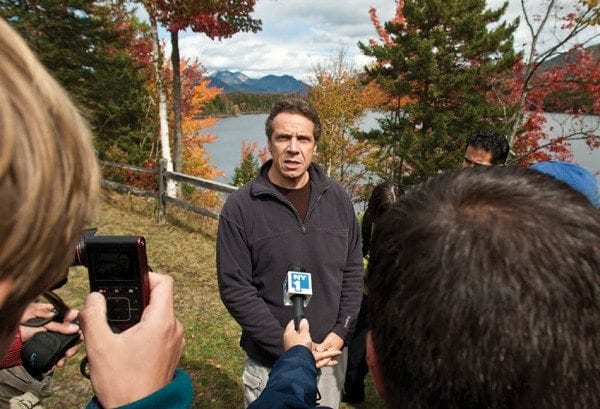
{"x":162,"y":106}
{"x":178,"y":134}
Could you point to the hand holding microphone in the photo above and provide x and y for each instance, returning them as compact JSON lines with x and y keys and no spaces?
{"x":292,"y":337}
{"x":297,"y":290}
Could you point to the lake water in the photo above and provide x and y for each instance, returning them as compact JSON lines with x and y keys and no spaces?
{"x":225,"y":153}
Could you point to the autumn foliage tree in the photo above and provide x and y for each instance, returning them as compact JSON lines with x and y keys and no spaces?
{"x":196,"y":94}
{"x":342,"y":100}
{"x":571,"y":87}
{"x":433,"y":59}
{"x":217,"y":19}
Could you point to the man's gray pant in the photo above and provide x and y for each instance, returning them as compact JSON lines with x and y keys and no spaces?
{"x":329,"y":383}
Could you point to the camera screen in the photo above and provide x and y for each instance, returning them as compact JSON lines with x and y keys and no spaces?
{"x":117,"y":265}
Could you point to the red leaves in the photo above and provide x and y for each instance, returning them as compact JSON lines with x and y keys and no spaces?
{"x":593,"y":141}
{"x":562,"y":86}
{"x":216,"y":19}
{"x":264,"y":154}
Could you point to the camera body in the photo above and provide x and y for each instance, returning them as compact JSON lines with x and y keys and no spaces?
{"x":118,"y":269}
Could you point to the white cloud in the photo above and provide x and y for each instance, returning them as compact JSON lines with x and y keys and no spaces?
{"x":297,"y":35}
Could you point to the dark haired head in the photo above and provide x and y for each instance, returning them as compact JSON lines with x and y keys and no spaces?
{"x":484,"y":291}
{"x":384,"y":195}
{"x":491,"y":142}
{"x":294,"y":106}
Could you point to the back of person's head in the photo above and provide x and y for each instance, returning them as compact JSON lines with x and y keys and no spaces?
{"x":294,"y":106}
{"x":484,"y":291}
{"x":492,"y":142}
{"x":573,"y":175}
{"x":383,"y":196}
{"x":48,"y":177}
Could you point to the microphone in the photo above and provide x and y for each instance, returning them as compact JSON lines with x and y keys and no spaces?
{"x":297,"y":290}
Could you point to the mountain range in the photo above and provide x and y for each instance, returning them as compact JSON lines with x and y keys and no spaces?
{"x":270,"y":84}
{"x":285,"y":84}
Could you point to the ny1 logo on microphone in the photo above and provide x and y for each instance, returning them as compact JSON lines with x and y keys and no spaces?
{"x":301,"y":283}
{"x":297,"y":283}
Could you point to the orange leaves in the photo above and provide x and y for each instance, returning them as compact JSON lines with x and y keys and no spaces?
{"x":383,"y":35}
{"x":196,"y":93}
{"x":374,"y":96}
{"x":398,"y":18}
{"x":248,"y":148}
{"x":342,"y":100}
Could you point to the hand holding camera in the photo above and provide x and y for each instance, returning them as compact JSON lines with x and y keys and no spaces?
{"x":118,"y":269}
{"x":133,"y":340}
{"x":130,"y":365}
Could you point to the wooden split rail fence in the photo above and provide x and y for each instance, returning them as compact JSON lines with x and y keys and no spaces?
{"x":162,"y":174}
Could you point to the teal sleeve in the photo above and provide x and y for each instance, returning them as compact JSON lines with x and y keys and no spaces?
{"x":178,"y":394}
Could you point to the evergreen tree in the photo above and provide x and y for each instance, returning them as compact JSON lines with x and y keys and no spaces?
{"x":123,"y":113}
{"x":435,"y":59}
{"x":248,"y":167}
{"x":96,"y":51}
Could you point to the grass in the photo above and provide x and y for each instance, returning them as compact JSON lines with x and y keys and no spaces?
{"x":183,"y":247}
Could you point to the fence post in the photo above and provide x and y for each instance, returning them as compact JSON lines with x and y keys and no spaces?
{"x":162,"y":166}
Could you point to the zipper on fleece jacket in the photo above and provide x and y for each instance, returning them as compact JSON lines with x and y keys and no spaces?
{"x":312,"y":207}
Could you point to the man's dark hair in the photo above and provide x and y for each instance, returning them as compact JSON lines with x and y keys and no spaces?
{"x":491,"y":142}
{"x":484,"y":291}
{"x":294,"y":106}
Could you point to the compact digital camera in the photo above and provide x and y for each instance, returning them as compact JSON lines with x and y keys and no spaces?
{"x":118,"y":269}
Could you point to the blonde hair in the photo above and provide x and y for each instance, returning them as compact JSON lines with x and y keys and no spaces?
{"x":49,"y":178}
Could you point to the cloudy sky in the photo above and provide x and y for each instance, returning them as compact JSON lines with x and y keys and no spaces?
{"x":297,"y":35}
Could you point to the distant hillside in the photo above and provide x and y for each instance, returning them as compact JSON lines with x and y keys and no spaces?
{"x":561,"y":100}
{"x":271,"y":84}
{"x":561,"y":59}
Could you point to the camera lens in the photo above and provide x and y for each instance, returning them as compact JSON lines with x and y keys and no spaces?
{"x":80,"y":257}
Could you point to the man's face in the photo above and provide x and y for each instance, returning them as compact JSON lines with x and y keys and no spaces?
{"x":292,"y":146}
{"x":476,"y":157}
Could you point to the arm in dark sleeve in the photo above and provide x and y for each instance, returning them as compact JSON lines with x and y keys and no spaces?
{"x":234,"y":272}
{"x":292,"y":382}
{"x":352,"y":281}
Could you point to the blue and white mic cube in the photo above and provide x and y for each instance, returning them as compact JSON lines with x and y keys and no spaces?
{"x":297,"y":283}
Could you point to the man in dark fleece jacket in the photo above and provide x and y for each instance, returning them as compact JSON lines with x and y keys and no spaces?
{"x":291,"y":213}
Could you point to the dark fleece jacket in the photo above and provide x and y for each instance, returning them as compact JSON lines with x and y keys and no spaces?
{"x":260,"y":235}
